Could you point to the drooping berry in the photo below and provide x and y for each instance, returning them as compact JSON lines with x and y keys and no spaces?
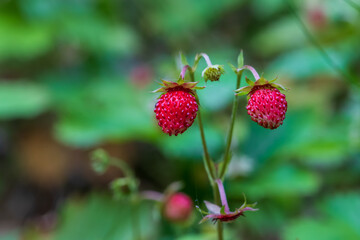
{"x":178,"y":207}
{"x":176,"y":110}
{"x":267,"y":106}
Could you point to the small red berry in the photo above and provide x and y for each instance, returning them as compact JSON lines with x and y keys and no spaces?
{"x":178,"y":208}
{"x":176,"y":110}
{"x":267,"y":106}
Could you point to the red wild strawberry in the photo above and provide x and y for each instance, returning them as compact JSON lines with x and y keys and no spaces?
{"x":176,"y":109}
{"x":266,"y":104}
{"x":178,"y":207}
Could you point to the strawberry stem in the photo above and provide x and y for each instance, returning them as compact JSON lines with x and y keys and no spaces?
{"x":223,"y":195}
{"x":206,"y":58}
{"x":253,"y":71}
{"x":227,"y":158}
{"x":183,"y":71}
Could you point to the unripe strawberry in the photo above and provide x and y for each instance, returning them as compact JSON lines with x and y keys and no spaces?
{"x":213,"y":73}
{"x":176,"y":109}
{"x":178,"y":207}
{"x":266,"y":106}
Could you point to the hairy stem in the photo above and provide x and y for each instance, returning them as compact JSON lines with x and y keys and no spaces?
{"x":223,"y":195}
{"x":206,"y":58}
{"x":253,"y":71}
{"x":183,"y":71}
{"x":227,"y":158}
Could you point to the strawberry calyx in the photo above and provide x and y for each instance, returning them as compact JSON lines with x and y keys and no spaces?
{"x":260,"y":83}
{"x":167,"y":86}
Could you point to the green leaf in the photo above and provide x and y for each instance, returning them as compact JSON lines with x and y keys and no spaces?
{"x":308,"y":229}
{"x":22,"y":100}
{"x":103,"y":218}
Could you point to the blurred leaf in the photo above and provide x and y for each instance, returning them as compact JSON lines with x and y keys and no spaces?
{"x":283,"y":34}
{"x":108,"y":109}
{"x":344,"y":207}
{"x":22,"y":100}
{"x":23,"y":40}
{"x":99,"y":217}
{"x":284,"y":180}
{"x":309,"y":229}
{"x":98,"y":36}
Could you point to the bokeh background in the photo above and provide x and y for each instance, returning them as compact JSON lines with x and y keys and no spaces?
{"x":76,"y":75}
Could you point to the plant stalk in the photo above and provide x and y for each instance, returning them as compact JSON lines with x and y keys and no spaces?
{"x":227,"y":157}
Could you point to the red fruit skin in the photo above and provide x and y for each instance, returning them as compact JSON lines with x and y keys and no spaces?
{"x":178,"y":208}
{"x":267,"y":106}
{"x":176,"y":110}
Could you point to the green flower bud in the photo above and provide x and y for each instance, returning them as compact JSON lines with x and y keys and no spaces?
{"x":100,"y":161}
{"x":213,"y":73}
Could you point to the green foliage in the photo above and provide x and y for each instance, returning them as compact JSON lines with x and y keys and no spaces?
{"x":103,"y":218}
{"x":22,"y":100}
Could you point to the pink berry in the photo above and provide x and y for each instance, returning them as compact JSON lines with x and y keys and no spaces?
{"x":178,"y":208}
{"x":267,"y":106}
{"x":176,"y":110}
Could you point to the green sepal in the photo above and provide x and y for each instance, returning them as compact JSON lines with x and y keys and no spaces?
{"x":158,"y":90}
{"x":222,"y":210}
{"x":243,"y":90}
{"x":189,"y":85}
{"x":249,"y":82}
{"x":244,"y":204}
{"x":279,"y":86}
{"x":169,"y":84}
{"x":240,"y":59}
{"x":273,"y":80}
{"x":201,"y":211}
{"x":261,"y":81}
{"x":199,"y":88}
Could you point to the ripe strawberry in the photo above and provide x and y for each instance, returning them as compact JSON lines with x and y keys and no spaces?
{"x":266,"y":104}
{"x":176,"y":109}
{"x":178,"y":207}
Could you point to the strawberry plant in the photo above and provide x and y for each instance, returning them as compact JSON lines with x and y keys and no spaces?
{"x":178,"y":106}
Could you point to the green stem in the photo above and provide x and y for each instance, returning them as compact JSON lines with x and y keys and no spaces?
{"x":227,"y":157}
{"x":208,"y":162}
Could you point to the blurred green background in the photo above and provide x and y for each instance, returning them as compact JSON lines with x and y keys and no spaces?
{"x":77,"y":74}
